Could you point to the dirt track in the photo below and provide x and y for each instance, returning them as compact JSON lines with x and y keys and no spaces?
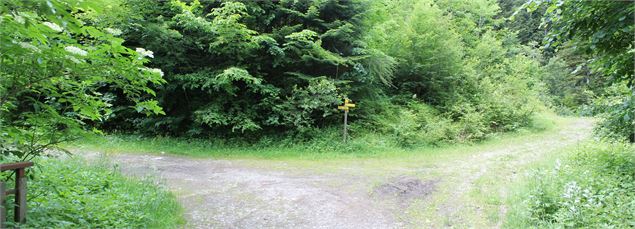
{"x":277,"y":194}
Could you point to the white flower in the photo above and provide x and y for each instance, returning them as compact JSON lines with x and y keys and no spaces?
{"x":27,"y":45}
{"x":75,"y":50}
{"x":586,"y":193}
{"x":570,"y":190}
{"x":48,"y":3}
{"x":153,"y":70}
{"x":72,"y":58}
{"x":145,"y":53}
{"x":53,"y":26}
{"x":157,"y":71}
{"x":113,"y":31}
{"x":18,"y":19}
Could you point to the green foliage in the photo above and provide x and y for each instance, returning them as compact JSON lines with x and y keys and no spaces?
{"x":602,"y":30}
{"x":304,"y":105}
{"x":569,"y":91}
{"x":249,"y":68}
{"x":593,"y":188}
{"x":254,"y":69}
{"x":479,"y":83}
{"x":427,"y":49}
{"x":617,"y":110}
{"x":68,"y":193}
{"x":507,"y":87}
{"x":53,"y":71}
{"x":415,"y":124}
{"x":290,"y":63}
{"x":525,"y":24}
{"x":326,"y":143}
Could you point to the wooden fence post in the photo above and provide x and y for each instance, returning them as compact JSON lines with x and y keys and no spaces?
{"x":20,"y":197}
{"x":19,"y":191}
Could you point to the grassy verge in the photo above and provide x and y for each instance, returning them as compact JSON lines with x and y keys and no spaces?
{"x":594,"y":187}
{"x":491,"y":192}
{"x":330,"y":146}
{"x":70,"y":193}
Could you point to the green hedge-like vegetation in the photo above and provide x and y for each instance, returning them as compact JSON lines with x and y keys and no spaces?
{"x":71,"y":193}
{"x":421,"y":72}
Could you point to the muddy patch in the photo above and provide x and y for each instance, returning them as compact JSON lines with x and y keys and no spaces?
{"x":406,"y":189}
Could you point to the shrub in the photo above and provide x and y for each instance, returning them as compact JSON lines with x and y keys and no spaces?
{"x":416,"y":123}
{"x":70,"y":194}
{"x":617,"y":113}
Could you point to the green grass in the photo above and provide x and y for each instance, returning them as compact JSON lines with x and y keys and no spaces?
{"x":368,"y":145}
{"x":72,"y":193}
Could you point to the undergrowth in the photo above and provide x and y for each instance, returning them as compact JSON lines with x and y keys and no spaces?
{"x":593,"y":188}
{"x":69,"y":193}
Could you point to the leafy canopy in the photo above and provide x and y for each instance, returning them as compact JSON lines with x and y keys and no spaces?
{"x":53,"y":71}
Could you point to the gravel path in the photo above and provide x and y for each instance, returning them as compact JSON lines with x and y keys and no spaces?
{"x":226,"y":194}
{"x":503,"y":164}
{"x":276,"y":194}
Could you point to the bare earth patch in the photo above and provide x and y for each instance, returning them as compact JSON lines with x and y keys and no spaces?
{"x":273,"y":194}
{"x":405,"y":189}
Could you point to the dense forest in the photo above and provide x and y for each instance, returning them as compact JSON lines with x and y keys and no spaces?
{"x":421,"y":70}
{"x":254,"y":69}
{"x":422,"y":73}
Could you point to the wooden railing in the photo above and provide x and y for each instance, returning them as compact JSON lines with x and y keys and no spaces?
{"x":19,"y":192}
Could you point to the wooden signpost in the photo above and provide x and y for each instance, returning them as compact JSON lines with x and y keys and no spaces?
{"x":347,"y":105}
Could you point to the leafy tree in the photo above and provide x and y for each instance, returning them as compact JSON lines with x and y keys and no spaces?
{"x":255,"y":68}
{"x":526,"y":24}
{"x":572,"y":83}
{"x":604,"y":31}
{"x":449,"y":55}
{"x":250,"y":67}
{"x":427,"y":49}
{"x":54,"y":71}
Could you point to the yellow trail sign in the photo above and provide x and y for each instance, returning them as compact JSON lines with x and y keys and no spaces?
{"x":347,"y":105}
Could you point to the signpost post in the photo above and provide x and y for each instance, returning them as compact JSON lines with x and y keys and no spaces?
{"x":347,"y":105}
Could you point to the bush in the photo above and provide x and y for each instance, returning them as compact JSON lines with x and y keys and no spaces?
{"x":617,"y":113}
{"x":595,"y":188}
{"x":70,"y":194}
{"x":416,"y":123}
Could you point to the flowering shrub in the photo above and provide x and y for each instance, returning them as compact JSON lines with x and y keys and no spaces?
{"x":54,"y":69}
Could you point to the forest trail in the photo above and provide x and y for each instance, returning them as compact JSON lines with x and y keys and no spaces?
{"x":466,"y":190}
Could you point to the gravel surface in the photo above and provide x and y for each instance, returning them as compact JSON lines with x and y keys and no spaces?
{"x":224,"y":194}
{"x":271,"y":194}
